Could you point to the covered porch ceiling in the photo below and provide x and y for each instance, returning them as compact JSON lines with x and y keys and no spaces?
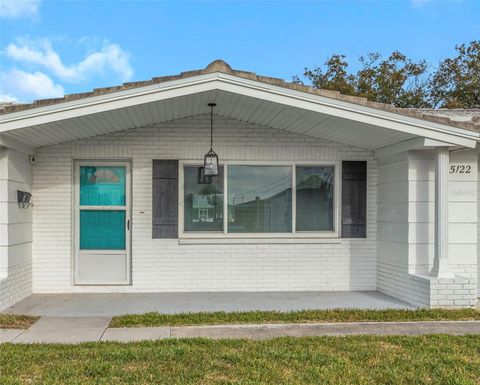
{"x":237,"y":98}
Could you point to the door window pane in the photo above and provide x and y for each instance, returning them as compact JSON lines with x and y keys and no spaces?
{"x":203,"y":202}
{"x":315,"y":198}
{"x":102,"y":186}
{"x":259,"y":199}
{"x":102,"y":230}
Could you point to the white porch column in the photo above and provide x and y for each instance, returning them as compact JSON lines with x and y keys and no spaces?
{"x":441,"y":267}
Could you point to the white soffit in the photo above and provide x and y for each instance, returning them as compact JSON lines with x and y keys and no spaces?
{"x":237,"y":98}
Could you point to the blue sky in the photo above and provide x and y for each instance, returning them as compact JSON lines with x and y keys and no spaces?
{"x":48,"y":48}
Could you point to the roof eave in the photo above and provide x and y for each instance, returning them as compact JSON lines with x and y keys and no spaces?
{"x":231,"y":83}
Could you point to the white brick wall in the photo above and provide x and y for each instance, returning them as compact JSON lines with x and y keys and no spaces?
{"x":15,"y":229}
{"x":393,"y":232}
{"x":16,"y":286}
{"x":164,"y":265}
{"x":406,"y":231}
{"x":478,"y":230}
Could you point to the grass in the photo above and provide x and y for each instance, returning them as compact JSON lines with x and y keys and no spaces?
{"x":14,"y":321}
{"x":334,"y":315}
{"x":434,"y":359}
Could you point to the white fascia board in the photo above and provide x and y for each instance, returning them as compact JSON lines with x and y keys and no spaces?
{"x":409,"y":145}
{"x":397,"y":148}
{"x":362,"y":114}
{"x":106,"y":102}
{"x":355,"y":108}
{"x":229,"y":83}
{"x":436,"y":143}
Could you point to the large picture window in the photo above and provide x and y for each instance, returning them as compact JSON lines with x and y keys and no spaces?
{"x":261,"y":199}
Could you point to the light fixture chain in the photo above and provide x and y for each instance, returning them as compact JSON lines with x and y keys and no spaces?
{"x":210,"y":162}
{"x":211,"y":127}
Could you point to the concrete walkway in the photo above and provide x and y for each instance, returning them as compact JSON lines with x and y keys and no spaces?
{"x":70,"y":330}
{"x":112,"y":304}
{"x":65,"y":330}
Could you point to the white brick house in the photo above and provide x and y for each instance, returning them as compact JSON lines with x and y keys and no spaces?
{"x":317,"y":192}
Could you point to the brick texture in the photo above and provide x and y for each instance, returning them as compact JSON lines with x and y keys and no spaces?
{"x":406,"y":235}
{"x":16,"y":286}
{"x":15,"y":229}
{"x":166,"y":265}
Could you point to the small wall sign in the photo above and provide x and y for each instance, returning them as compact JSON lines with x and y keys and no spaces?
{"x":460,"y":168}
{"x":463,"y":170}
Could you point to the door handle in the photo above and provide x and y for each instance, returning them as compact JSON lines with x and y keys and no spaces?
{"x":128,"y":224}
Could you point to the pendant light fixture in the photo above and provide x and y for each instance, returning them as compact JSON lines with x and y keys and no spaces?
{"x":210,"y":162}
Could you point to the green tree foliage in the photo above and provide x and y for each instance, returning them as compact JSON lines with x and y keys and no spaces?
{"x":396,"y":80}
{"x":403,"y":82}
{"x":334,"y":78}
{"x":456,"y":83}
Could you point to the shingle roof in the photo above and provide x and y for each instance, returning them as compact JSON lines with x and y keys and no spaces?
{"x":455,"y":114}
{"x":468,"y":119}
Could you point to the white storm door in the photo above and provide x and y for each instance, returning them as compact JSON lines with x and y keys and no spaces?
{"x":102,"y":223}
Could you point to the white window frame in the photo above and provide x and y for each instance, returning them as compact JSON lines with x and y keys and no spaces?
{"x":293,"y":234}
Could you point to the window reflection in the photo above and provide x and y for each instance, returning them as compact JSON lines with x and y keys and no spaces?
{"x":203,"y":202}
{"x":315,"y":198}
{"x":259,"y":199}
{"x":102,"y":186}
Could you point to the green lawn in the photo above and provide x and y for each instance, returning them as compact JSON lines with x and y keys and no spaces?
{"x":434,"y":359}
{"x":335,"y":315}
{"x":14,"y":321}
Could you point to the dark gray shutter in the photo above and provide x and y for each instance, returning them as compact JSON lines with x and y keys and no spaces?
{"x":354,"y":199}
{"x":165,"y":198}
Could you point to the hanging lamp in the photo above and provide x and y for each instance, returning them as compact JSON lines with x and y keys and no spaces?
{"x":210,"y":161}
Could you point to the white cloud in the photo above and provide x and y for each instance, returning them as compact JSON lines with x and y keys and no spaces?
{"x":109,"y":58}
{"x":7,"y":98}
{"x":16,"y":84}
{"x":15,"y":9}
{"x":42,"y":68}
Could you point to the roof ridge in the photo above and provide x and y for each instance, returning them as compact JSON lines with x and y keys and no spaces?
{"x":220,"y":65}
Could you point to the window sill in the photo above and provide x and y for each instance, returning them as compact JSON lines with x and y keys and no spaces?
{"x":256,"y":241}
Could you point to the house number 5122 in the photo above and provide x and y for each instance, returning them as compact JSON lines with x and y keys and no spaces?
{"x":460,"y":169}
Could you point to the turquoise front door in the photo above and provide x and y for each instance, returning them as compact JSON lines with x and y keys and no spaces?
{"x":102,"y":222}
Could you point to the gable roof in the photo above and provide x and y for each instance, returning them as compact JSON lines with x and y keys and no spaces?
{"x":240,"y":96}
{"x":466,"y":119}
